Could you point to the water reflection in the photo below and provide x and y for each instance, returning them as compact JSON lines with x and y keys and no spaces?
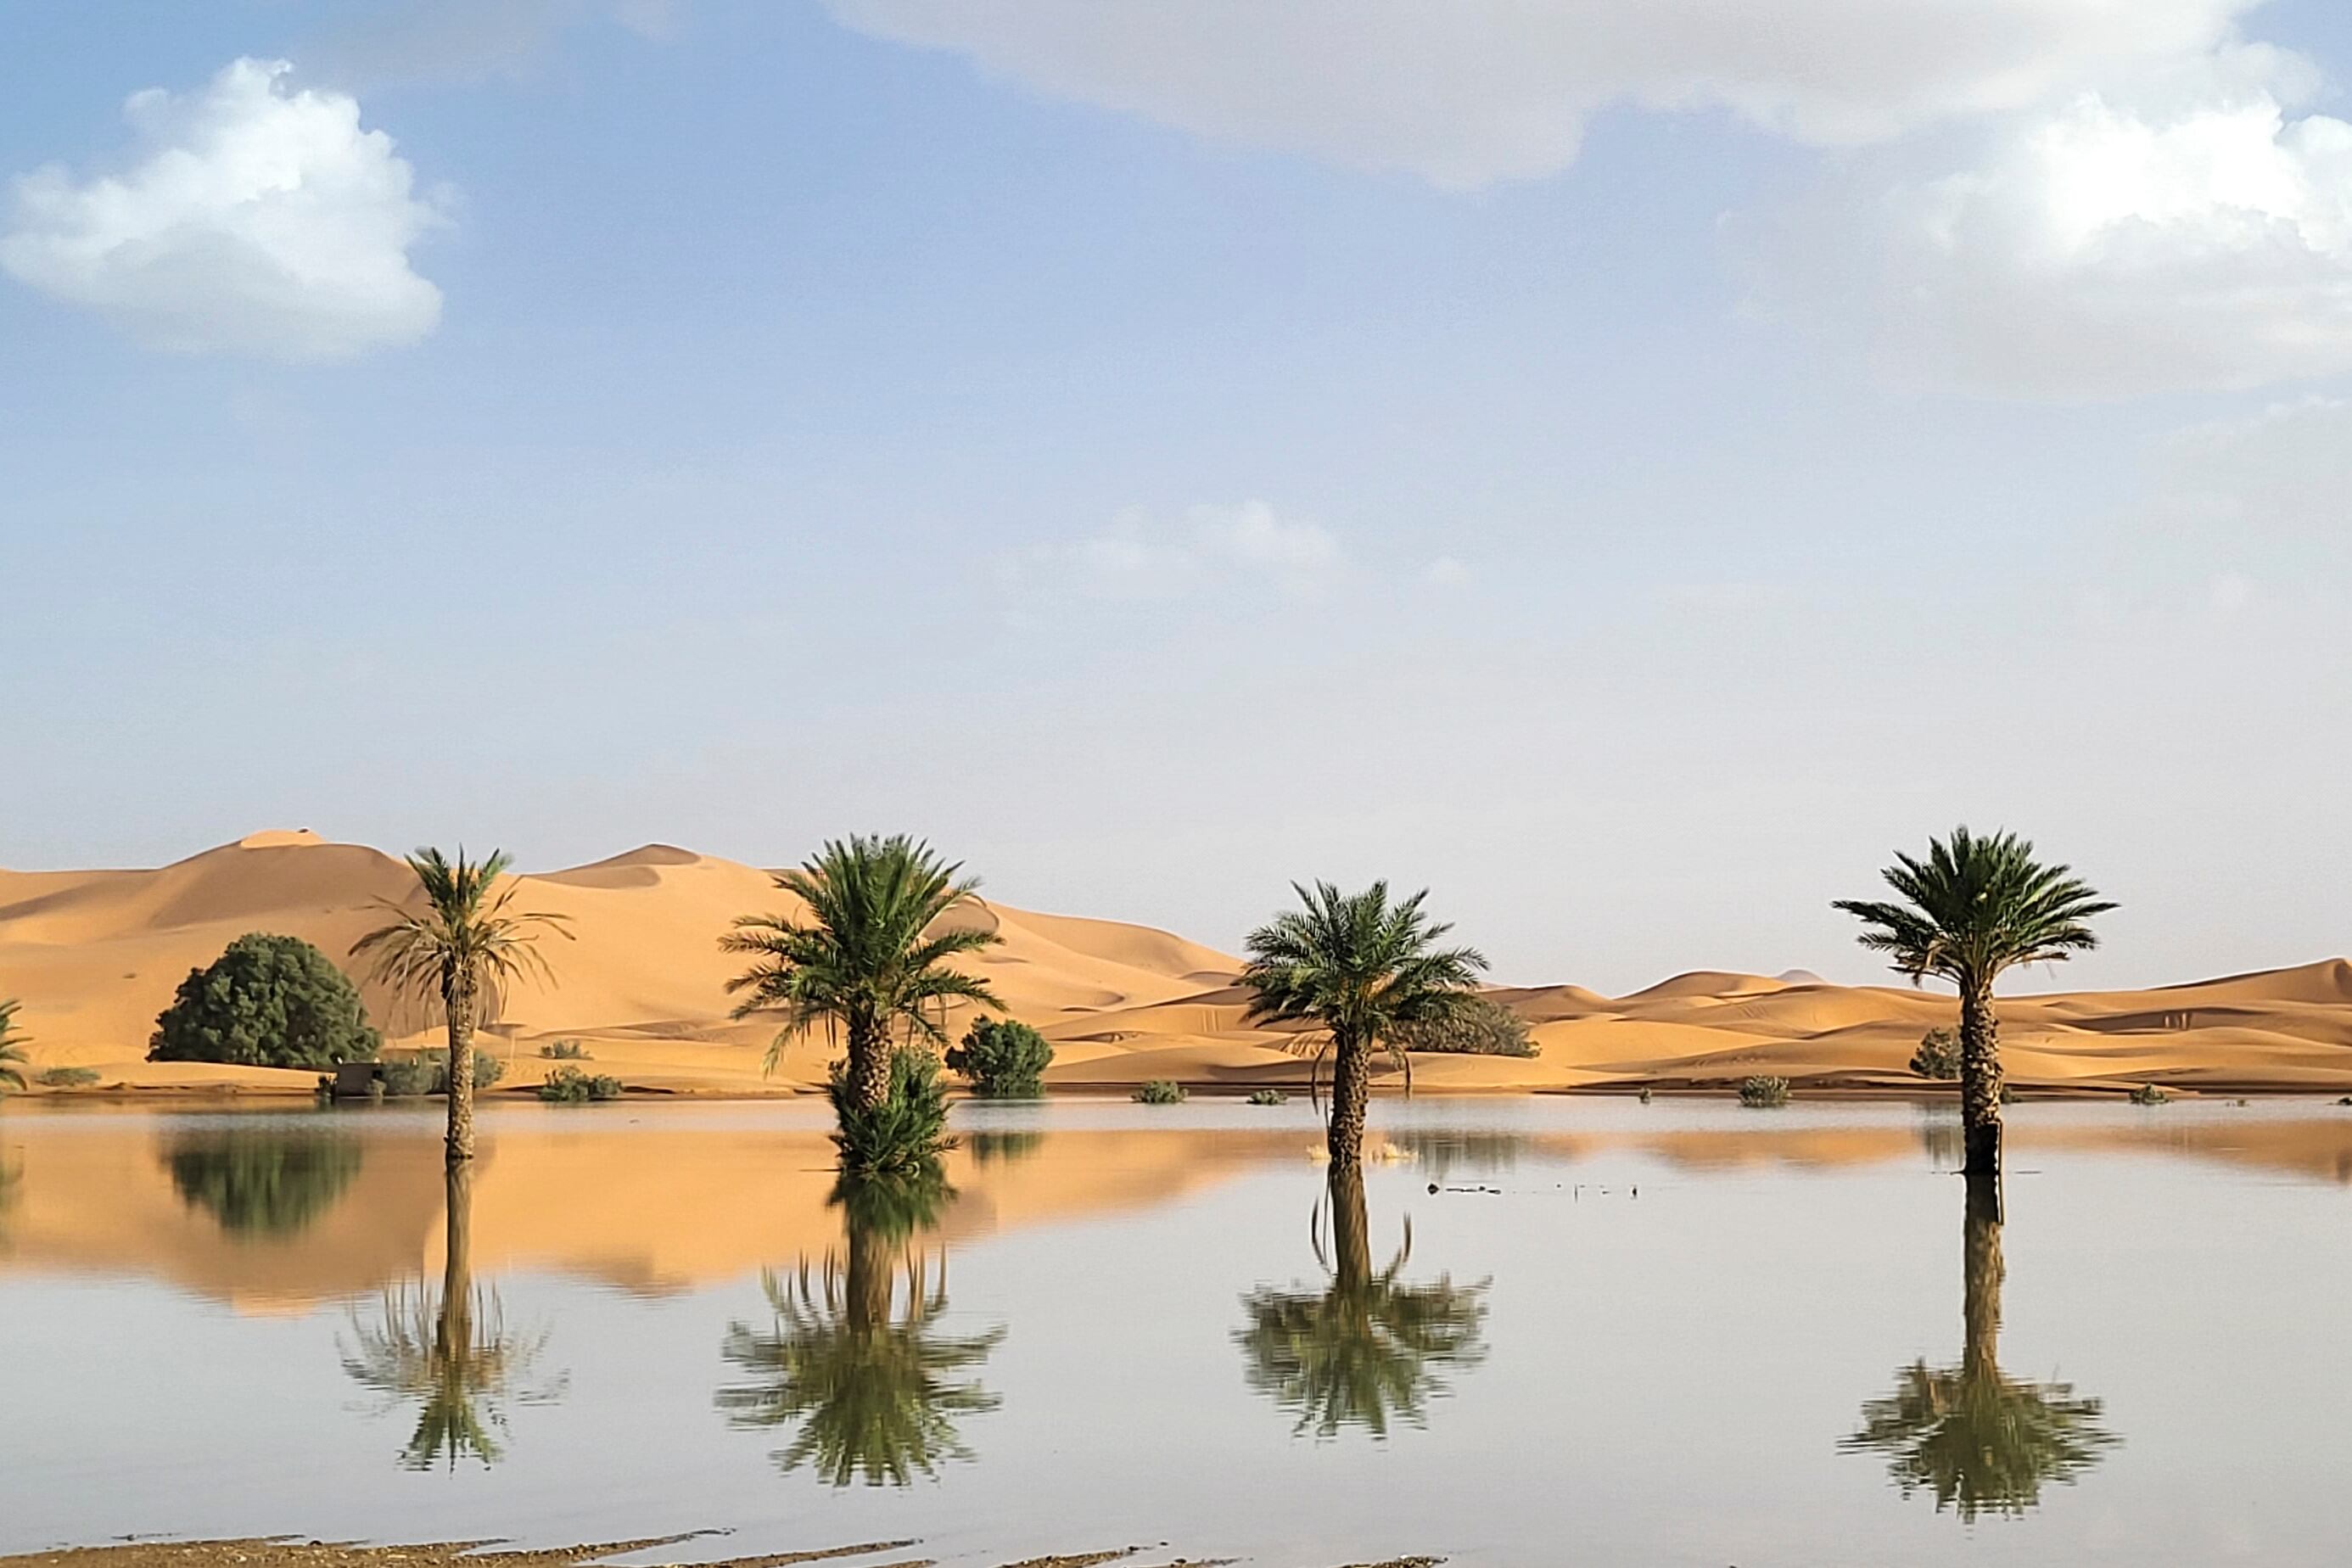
{"x":257,"y":1183}
{"x":1367,"y":1348}
{"x":1981,"y":1441}
{"x":453,"y":1356}
{"x":1445,"y":1152}
{"x":1002,"y":1148}
{"x":856,"y":1356}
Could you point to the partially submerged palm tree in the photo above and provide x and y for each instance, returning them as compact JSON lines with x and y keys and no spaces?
{"x":459,"y":953}
{"x":1358,"y":968}
{"x":855,"y":1355}
{"x":1974,"y":908}
{"x":12,"y":1048}
{"x":453,"y":1356}
{"x":1366,"y":1350}
{"x":865,"y":962}
{"x":1981,"y":1441}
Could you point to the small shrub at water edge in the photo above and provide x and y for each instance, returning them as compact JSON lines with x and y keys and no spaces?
{"x":1002,"y":1059}
{"x":566,"y":1051}
{"x":569,"y":1085}
{"x":1269,"y":1097}
{"x":1938,"y":1056}
{"x":428,"y":1073}
{"x":1159,"y":1091}
{"x":2148,"y":1094}
{"x":1645,"y":1094}
{"x":67,"y":1078}
{"x":1764,"y":1091}
{"x":904,"y":1135}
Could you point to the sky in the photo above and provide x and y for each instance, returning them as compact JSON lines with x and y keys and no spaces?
{"x":1628,"y":469}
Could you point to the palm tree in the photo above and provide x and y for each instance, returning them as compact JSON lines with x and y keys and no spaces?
{"x":866,"y":962}
{"x":1360,"y":969}
{"x":1982,"y":1441}
{"x":1974,"y":908}
{"x":856,"y":1356}
{"x":1366,"y":1348}
{"x":461,"y":953}
{"x":12,"y":1049}
{"x":454,"y":1356}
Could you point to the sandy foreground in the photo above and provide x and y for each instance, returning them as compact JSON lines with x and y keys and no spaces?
{"x":468,"y":1554}
{"x":95,"y":956}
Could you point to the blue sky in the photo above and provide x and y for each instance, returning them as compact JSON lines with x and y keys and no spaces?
{"x":1622,"y":472}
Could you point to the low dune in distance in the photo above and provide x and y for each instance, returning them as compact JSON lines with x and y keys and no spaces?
{"x":95,"y":956}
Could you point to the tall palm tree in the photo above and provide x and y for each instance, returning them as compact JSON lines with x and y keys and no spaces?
{"x":865,"y":962}
{"x":454,"y":1356}
{"x":461,"y":953}
{"x":856,"y":1356}
{"x":12,"y":1048}
{"x":1367,"y":1348}
{"x":1981,"y":1441}
{"x":1973,"y":908}
{"x":1360,"y":969}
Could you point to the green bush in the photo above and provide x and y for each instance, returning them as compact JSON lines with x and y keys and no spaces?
{"x":428,"y":1073}
{"x":1644,"y":1094}
{"x":1764,"y":1091}
{"x":906,"y":1134}
{"x":1159,"y":1091}
{"x":266,"y":1002}
{"x":1002,"y":1060}
{"x":1938,"y":1056}
{"x":569,"y":1085}
{"x":67,"y":1078}
{"x":1474,"y":1025}
{"x":1269,"y":1097}
{"x":566,"y":1051}
{"x":2148,"y":1094}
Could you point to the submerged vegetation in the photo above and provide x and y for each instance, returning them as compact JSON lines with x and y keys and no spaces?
{"x":459,"y":953}
{"x":2149,"y":1094}
{"x":421,"y":1073}
{"x":1357,"y":970}
{"x":1002,"y":1059}
{"x":266,"y":1002}
{"x":1764,"y":1091}
{"x":1159,"y":1091}
{"x":1268,"y":1097}
{"x":904,"y":1136}
{"x":569,"y":1085}
{"x":1975,"y":907}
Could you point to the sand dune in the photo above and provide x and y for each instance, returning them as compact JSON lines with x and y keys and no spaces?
{"x":94,"y":955}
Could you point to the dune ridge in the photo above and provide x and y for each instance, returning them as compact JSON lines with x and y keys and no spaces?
{"x":95,"y":956}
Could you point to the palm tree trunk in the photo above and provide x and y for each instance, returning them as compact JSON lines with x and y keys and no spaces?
{"x":460,"y":1007}
{"x":1982,"y":1272}
{"x":1980,"y":1081}
{"x":1352,"y":1088}
{"x":869,"y":1276}
{"x":869,"y":1063}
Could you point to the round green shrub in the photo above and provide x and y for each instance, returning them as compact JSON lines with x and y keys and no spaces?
{"x":1764,"y":1091}
{"x":1002,"y":1059}
{"x":1474,"y":1025}
{"x":569,"y":1085}
{"x":1159,"y":1091}
{"x":1269,"y":1097}
{"x":1938,"y":1056}
{"x":267,"y":1001}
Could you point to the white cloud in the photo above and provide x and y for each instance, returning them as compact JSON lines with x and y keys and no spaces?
{"x":1466,"y":92}
{"x":1138,"y":557}
{"x":2189,"y":232}
{"x":256,"y":220}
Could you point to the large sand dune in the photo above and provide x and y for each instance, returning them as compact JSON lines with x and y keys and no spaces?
{"x":94,"y":955}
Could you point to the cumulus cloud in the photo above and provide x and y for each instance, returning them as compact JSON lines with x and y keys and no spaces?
{"x":1468,"y":92}
{"x":1141,"y":558}
{"x":255,"y":220}
{"x":2188,"y":233}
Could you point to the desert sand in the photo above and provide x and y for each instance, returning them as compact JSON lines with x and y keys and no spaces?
{"x":95,"y":956}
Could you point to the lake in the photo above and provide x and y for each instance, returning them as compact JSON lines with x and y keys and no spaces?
{"x":1547,"y":1330}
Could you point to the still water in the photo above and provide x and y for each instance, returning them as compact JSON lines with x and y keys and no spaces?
{"x":1679,"y":1333}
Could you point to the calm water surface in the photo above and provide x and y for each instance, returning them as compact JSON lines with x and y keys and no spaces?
{"x":1615,"y":1333}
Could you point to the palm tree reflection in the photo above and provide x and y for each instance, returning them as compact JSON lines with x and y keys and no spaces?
{"x":454,"y":1356}
{"x":1982,"y":1441}
{"x":855,"y":1355}
{"x":1367,"y":1348}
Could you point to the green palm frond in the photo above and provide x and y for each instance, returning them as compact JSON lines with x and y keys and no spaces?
{"x":469,"y":938}
{"x":12,"y":1048}
{"x":1974,"y":907}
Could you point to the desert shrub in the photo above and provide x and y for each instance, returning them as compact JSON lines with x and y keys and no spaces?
{"x":428,"y":1073}
{"x":1268,"y":1097}
{"x":266,"y":1002}
{"x":1938,"y":1056}
{"x":904,"y":1135}
{"x":1764,"y":1091}
{"x":2007,"y":1094}
{"x":2148,"y":1094}
{"x":67,"y":1078}
{"x":1474,"y":1025}
{"x":1644,"y":1094}
{"x":1159,"y":1091}
{"x":569,"y":1085}
{"x":566,"y":1051}
{"x":1002,"y":1059}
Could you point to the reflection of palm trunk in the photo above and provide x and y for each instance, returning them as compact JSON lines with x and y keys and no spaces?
{"x":1350,"y":1091}
{"x":1351,"y":1232}
{"x":1982,"y":1272}
{"x":1980,"y":1078}
{"x":866,"y":1303}
{"x":459,"y":1003}
{"x":454,"y":1328}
